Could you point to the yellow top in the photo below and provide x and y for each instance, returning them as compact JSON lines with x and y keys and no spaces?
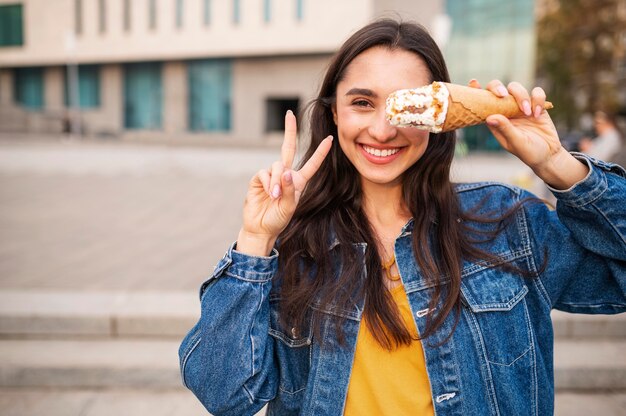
{"x":386,"y":382}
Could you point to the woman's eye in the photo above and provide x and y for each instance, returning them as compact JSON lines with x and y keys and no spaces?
{"x":361,"y":103}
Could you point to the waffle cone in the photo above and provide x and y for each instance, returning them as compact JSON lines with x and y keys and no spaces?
{"x":470,"y":106}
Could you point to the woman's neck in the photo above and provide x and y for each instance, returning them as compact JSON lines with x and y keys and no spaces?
{"x":385,"y":208}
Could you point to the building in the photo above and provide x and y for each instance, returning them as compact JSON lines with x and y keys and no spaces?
{"x":491,"y":39}
{"x":206,"y":71}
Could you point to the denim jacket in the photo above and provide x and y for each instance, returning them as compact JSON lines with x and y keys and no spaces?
{"x":499,"y":359}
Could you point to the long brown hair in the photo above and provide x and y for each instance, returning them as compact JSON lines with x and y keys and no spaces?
{"x":331,"y":207}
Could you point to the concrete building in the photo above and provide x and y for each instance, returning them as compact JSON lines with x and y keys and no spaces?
{"x":174,"y":70}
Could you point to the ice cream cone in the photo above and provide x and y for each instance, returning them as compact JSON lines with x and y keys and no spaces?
{"x":470,"y":106}
{"x":441,"y":107}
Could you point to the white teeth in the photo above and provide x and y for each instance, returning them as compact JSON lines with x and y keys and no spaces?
{"x":380,"y":153}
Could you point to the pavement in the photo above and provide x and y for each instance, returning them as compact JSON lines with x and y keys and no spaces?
{"x":104,"y":245}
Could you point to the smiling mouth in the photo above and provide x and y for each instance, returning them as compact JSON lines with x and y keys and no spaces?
{"x":380,"y":152}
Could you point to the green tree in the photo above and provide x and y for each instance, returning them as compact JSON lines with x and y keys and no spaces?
{"x":580,"y":56}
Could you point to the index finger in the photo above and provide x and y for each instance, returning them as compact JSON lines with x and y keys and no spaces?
{"x":313,"y":164}
{"x":288,"y":149}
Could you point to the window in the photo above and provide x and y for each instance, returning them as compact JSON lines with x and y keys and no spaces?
{"x":236,"y":12}
{"x":209,"y":82}
{"x":275,"y":112}
{"x":28,"y":89}
{"x":11,"y":25}
{"x":102,"y":21}
{"x":179,"y":13}
{"x":299,"y":9}
{"x":142,"y":96}
{"x":152,"y":14}
{"x":88,"y":87}
{"x":78,"y":16}
{"x":127,"y":15}
{"x":207,"y":12}
{"x":267,"y":10}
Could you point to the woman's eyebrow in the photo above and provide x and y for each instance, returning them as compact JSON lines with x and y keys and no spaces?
{"x":362,"y":91}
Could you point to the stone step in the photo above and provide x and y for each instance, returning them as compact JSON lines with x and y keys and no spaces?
{"x":107,"y":402}
{"x":31,"y":314}
{"x":580,"y":365}
{"x":86,"y":402}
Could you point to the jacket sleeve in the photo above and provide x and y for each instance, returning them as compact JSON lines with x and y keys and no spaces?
{"x":227,"y":359}
{"x":581,"y":250}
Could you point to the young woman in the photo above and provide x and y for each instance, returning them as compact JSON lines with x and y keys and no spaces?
{"x":365,"y":283}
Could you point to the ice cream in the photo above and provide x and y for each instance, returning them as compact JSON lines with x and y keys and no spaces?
{"x":441,"y":106}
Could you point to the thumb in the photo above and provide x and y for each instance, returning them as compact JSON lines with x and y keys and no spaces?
{"x":288,"y":198}
{"x":504,"y":131}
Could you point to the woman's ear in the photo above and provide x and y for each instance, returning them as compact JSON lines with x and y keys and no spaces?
{"x":334,"y":110}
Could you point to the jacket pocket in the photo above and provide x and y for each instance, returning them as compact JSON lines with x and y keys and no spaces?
{"x":497,"y":310}
{"x":293,"y":351}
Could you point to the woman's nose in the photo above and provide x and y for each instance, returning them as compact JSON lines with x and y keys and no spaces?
{"x":381,"y":129}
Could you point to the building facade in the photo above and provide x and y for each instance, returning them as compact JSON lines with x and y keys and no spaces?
{"x":218,"y":71}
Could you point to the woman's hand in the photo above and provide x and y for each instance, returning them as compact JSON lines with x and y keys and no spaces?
{"x":273,"y":194}
{"x":533,"y":137}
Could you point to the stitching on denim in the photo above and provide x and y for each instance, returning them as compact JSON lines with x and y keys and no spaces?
{"x":533,"y":358}
{"x":478,"y":335}
{"x":506,"y":257}
{"x":613,"y":226}
{"x":590,"y":305}
{"x":533,"y":265}
{"x":250,"y":396}
{"x":258,"y":308}
{"x":291,"y":392}
{"x":485,"y":184}
{"x":186,"y":357}
{"x":317,"y":368}
{"x":262,"y":276}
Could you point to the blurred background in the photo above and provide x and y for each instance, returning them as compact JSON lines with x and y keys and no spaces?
{"x":130,"y":128}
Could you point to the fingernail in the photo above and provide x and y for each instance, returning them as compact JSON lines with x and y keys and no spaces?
{"x":526,"y":107}
{"x":538,"y":110}
{"x":330,"y":137}
{"x":288,"y":177}
{"x":493,"y":122}
{"x":502,"y":91}
{"x":289,"y":112}
{"x":473,"y":80}
{"x":276,"y":191}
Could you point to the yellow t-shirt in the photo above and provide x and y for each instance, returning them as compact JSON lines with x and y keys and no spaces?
{"x":393,"y":383}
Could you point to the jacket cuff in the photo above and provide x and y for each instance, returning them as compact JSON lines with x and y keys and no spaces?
{"x":589,"y":188}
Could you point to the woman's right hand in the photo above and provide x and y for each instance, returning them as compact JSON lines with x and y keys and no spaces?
{"x":273,"y":194}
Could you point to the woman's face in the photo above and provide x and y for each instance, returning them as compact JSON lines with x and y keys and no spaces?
{"x":380,"y":152}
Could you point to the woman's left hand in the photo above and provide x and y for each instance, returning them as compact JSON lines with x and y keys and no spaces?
{"x":533,"y":138}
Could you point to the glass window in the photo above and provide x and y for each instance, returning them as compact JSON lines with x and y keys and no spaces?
{"x":207,"y":12}
{"x":180,"y":5}
{"x":142,"y":95}
{"x":210,"y":85}
{"x":88,"y":87}
{"x":78,"y":16}
{"x":299,"y":9}
{"x":275,"y":109}
{"x":152,"y":14}
{"x":127,"y":15}
{"x":236,"y":11}
{"x":29,"y":86}
{"x":267,"y":10}
{"x":102,"y":21}
{"x":11,"y":25}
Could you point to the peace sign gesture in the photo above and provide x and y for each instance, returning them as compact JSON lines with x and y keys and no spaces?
{"x":273,"y":194}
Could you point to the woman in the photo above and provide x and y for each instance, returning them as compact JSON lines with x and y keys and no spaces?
{"x":396,"y":292}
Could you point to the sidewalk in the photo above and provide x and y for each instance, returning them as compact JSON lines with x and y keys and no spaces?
{"x":115,"y":216}
{"x":104,"y":246}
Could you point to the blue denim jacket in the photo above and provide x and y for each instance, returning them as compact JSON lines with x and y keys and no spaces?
{"x":499,"y":360}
